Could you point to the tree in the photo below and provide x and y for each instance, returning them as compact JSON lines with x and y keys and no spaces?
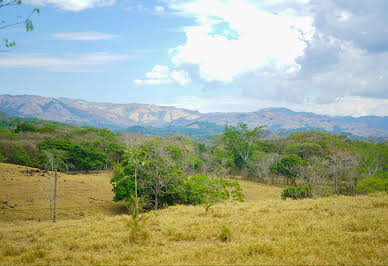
{"x":26,"y":21}
{"x":205,"y":190}
{"x":304,"y":150}
{"x":373,"y":158}
{"x":241,"y":141}
{"x":152,"y":174}
{"x":341,"y":166}
{"x":52,"y":157}
{"x":288,"y":166}
{"x":311,"y":174}
{"x":260,"y":165}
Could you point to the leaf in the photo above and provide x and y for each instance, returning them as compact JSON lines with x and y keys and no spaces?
{"x":28,"y":24}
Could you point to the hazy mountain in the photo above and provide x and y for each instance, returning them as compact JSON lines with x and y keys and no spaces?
{"x":122,"y":116}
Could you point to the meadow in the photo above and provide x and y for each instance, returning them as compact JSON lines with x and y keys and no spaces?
{"x":91,"y":229}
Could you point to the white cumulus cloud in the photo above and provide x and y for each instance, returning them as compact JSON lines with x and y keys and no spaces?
{"x":72,"y":5}
{"x":159,"y":9}
{"x":234,"y":37}
{"x":163,"y":75}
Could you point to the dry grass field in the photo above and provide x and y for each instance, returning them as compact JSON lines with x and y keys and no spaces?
{"x":262,"y":230}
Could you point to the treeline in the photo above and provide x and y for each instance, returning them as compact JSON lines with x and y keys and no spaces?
{"x":321,"y":163}
{"x":75,"y":148}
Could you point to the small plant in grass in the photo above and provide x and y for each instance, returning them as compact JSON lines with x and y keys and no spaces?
{"x":294,"y":193}
{"x":135,"y":206}
{"x":225,"y":234}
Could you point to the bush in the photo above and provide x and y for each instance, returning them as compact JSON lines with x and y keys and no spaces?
{"x":372,"y":184}
{"x":296,"y":192}
{"x":14,"y":153}
{"x":201,"y":189}
{"x":25,"y":128}
{"x":225,"y":234}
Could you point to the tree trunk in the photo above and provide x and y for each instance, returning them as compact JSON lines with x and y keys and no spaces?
{"x":136,"y":199}
{"x":156,"y":201}
{"x":55,"y":195}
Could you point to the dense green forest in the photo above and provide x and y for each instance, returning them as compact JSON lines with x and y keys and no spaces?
{"x":176,"y":169}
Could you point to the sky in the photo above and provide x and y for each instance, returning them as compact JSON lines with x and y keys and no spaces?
{"x":327,"y":57}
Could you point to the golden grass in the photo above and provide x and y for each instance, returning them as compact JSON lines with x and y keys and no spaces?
{"x":335,"y":230}
{"x":25,"y":193}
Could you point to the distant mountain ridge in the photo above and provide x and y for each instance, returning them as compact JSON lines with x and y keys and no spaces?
{"x":122,"y":116}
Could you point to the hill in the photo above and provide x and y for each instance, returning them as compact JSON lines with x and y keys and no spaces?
{"x":263,"y":230}
{"x":122,"y":116}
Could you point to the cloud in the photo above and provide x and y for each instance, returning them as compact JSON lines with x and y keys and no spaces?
{"x":90,"y":62}
{"x":83,"y":36}
{"x":159,"y":9}
{"x":163,"y":75}
{"x":235,"y":37}
{"x":72,"y":5}
{"x":342,"y":106}
{"x":318,"y":54}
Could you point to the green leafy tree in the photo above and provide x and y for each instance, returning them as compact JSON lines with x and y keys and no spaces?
{"x":158,"y":177}
{"x":288,"y":166}
{"x":304,"y":150}
{"x":25,"y":128}
{"x":201,"y":189}
{"x":241,"y":141}
{"x":86,"y":158}
{"x":374,"y":157}
{"x":15,"y":153}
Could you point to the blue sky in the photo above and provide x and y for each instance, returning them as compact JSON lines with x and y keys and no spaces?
{"x":328,"y":57}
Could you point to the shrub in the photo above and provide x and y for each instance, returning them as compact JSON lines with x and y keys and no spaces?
{"x":25,"y":128}
{"x":225,"y":234}
{"x":296,"y":192}
{"x":201,"y":189}
{"x":372,"y":184}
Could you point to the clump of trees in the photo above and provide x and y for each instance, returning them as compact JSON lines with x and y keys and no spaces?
{"x":156,"y":172}
{"x":81,"y":149}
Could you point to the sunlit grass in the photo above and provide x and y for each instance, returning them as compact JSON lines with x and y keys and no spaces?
{"x":263,"y":230}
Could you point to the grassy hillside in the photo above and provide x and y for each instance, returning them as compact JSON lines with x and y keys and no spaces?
{"x":263,"y":230}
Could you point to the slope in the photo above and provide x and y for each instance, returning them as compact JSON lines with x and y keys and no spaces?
{"x":336,"y":230}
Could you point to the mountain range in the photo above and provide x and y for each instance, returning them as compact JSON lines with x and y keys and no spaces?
{"x":123,"y":116}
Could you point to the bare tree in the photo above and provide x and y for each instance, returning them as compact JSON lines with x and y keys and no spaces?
{"x":52,"y":157}
{"x":260,"y":166}
{"x":311,"y":174}
{"x":341,"y":167}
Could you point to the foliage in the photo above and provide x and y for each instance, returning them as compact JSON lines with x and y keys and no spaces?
{"x":241,"y":142}
{"x":295,"y":193}
{"x":288,"y":166}
{"x":225,"y":234}
{"x":373,"y":184}
{"x":26,"y":21}
{"x":201,"y":189}
{"x":159,"y":177}
{"x":14,"y":153}
{"x":304,"y":150}
{"x":25,"y":128}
